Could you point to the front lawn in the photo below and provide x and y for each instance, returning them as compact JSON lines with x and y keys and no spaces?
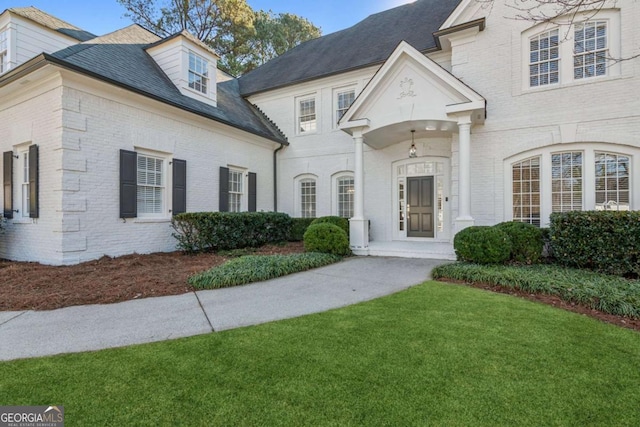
{"x":436,"y":354}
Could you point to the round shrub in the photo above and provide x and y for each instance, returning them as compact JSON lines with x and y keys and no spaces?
{"x":526,"y":241}
{"x":335,"y":220}
{"x":482,"y":245}
{"x":326,"y":238}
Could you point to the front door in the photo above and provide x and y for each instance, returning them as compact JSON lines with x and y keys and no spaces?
{"x":420,"y":207}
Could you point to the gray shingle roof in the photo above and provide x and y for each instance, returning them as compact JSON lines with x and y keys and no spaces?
{"x":120,"y":58}
{"x":51,"y":22}
{"x":369,"y":42}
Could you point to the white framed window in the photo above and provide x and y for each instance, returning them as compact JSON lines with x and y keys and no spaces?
{"x":306,"y":111}
{"x":566,"y":181}
{"x":4,"y":50}
{"x":344,"y":98}
{"x":236,"y":190}
{"x":526,"y":191}
{"x":345,"y":191}
{"x":23,"y":158}
{"x":151,"y":186}
{"x":580,"y":47}
{"x":612,"y":181}
{"x":590,"y":49}
{"x":198,"y":73}
{"x":544,"y":59}
{"x":307,"y":196}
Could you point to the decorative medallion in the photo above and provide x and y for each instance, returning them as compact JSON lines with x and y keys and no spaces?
{"x":406,"y":85}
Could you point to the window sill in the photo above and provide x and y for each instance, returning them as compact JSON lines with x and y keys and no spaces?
{"x":22,"y":221}
{"x":150,"y":220}
{"x":572,"y":83}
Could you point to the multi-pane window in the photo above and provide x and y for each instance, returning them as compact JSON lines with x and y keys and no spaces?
{"x":150,"y":185}
{"x":544,"y":59}
{"x":307,"y":115}
{"x":236,"y":187}
{"x":308,"y":198}
{"x":526,"y":191}
{"x":612,"y":181}
{"x":198,"y":73}
{"x":344,"y":99}
{"x":345,"y":196}
{"x":590,"y":49}
{"x":4,"y":51}
{"x":566,"y":181}
{"x":24,"y":157}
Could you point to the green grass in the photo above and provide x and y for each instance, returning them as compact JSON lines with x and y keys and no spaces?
{"x":436,"y":354}
{"x":255,"y":268}
{"x":609,"y":294}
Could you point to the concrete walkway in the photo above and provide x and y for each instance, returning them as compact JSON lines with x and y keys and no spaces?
{"x":94,"y":327}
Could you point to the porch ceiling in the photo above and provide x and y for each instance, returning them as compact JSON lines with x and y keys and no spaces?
{"x":386,"y":136}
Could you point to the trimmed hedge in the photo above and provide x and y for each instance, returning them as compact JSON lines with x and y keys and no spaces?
{"x":298,"y":228}
{"x":605,"y":241}
{"x":335,"y":220}
{"x":326,"y":238}
{"x":254,"y":268}
{"x":609,"y":294}
{"x":213,"y":231}
{"x":526,"y":241}
{"x":483,"y":245}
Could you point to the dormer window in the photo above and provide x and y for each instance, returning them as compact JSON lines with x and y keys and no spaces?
{"x":198,"y":73}
{"x":4,"y":51}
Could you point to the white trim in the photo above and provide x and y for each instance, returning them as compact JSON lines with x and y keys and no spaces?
{"x":335,"y":202}
{"x":244,"y":194}
{"x":166,"y":184}
{"x":317,"y":112}
{"x":297,"y":191}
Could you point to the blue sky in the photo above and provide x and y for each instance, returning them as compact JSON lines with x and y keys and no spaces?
{"x":103,"y":16}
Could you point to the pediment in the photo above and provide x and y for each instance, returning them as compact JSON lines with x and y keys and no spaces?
{"x":410,"y":87}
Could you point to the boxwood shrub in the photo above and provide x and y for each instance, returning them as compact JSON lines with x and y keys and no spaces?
{"x":212,"y":231}
{"x":605,"y":241}
{"x":526,"y":241}
{"x":326,"y":238}
{"x":482,"y":245}
{"x":335,"y":220}
{"x":298,"y":227}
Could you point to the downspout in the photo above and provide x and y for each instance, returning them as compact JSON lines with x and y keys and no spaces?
{"x":275,"y":177}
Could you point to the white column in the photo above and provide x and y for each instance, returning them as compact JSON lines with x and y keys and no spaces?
{"x":464,"y":218}
{"x":358,"y":225}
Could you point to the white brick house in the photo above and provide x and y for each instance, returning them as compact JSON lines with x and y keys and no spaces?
{"x":415,"y":123}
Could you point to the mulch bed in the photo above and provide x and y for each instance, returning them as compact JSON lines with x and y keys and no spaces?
{"x":33,"y":286}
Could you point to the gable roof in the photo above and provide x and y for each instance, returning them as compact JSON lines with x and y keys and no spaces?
{"x":53,"y":23}
{"x":369,"y":42}
{"x":120,"y":58}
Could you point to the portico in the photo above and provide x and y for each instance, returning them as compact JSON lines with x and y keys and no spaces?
{"x":413,"y":103}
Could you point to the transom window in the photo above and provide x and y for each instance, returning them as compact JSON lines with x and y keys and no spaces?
{"x":526,"y":191}
{"x":345,"y":196}
{"x":544,"y":59}
{"x":236,"y":190}
{"x":4,"y":51}
{"x":198,"y":73}
{"x":307,"y":115}
{"x":344,"y":101}
{"x":150,"y":185}
{"x":590,"y":47}
{"x":612,"y":181}
{"x":308,"y":198}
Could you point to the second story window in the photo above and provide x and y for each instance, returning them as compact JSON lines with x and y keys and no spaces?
{"x":198,"y":73}
{"x":344,"y":101}
{"x":4,"y":51}
{"x":544,"y":58}
{"x":307,"y":115}
{"x":590,"y":49}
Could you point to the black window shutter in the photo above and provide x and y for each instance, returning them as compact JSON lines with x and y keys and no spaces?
{"x":7,"y":183}
{"x":224,"y":190}
{"x":252,"y":192}
{"x":33,"y":182}
{"x":179,"y":197}
{"x":128,"y":184}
